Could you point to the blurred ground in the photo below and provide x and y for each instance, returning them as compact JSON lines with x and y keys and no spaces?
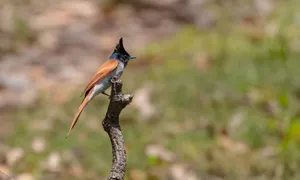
{"x":216,"y":88}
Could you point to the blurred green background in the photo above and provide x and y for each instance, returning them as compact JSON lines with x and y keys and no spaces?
{"x":216,"y":85}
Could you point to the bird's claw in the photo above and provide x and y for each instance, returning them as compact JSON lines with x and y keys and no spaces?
{"x":106,"y":94}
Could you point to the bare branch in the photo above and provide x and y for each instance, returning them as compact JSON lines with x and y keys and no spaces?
{"x":118,"y":101}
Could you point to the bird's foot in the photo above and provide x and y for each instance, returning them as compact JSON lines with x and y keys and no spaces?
{"x":106,"y":94}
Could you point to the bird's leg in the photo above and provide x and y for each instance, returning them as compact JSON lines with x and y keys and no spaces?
{"x":106,"y":94}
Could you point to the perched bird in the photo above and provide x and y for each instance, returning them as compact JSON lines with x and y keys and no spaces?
{"x":101,"y":80}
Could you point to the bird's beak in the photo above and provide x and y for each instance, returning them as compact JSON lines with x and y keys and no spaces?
{"x":132,"y":57}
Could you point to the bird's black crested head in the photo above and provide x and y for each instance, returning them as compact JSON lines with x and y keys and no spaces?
{"x":120,"y":53}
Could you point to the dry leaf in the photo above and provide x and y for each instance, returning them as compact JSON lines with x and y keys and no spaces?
{"x":229,"y":144}
{"x":143,"y":103}
{"x":136,"y":174}
{"x":181,"y":172}
{"x":38,"y":144}
{"x":14,"y":155}
{"x":25,"y":176}
{"x":159,"y":152}
{"x":54,"y":162}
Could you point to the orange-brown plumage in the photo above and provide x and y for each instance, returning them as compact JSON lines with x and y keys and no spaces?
{"x":102,"y":72}
{"x":80,"y":109}
{"x":101,"y":79}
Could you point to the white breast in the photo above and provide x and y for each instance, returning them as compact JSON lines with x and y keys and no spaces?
{"x":119,"y":69}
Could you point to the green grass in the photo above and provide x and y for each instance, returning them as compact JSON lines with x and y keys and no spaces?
{"x":245,"y":77}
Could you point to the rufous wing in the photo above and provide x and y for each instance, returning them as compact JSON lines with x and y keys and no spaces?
{"x":102,"y":72}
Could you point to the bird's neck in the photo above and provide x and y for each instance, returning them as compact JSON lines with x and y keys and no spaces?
{"x":116,"y":56}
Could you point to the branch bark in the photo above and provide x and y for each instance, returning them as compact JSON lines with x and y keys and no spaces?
{"x":118,"y":101}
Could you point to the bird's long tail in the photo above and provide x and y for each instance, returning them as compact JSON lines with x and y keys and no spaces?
{"x":85,"y":102}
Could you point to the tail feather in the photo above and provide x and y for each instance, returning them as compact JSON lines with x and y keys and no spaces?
{"x":83,"y":104}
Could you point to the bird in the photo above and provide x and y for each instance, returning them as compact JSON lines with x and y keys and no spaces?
{"x":100,"y":82}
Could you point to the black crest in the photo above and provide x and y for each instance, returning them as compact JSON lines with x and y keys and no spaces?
{"x":120,"y":48}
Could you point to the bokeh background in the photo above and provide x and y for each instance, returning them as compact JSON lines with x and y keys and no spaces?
{"x":216,"y":85}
